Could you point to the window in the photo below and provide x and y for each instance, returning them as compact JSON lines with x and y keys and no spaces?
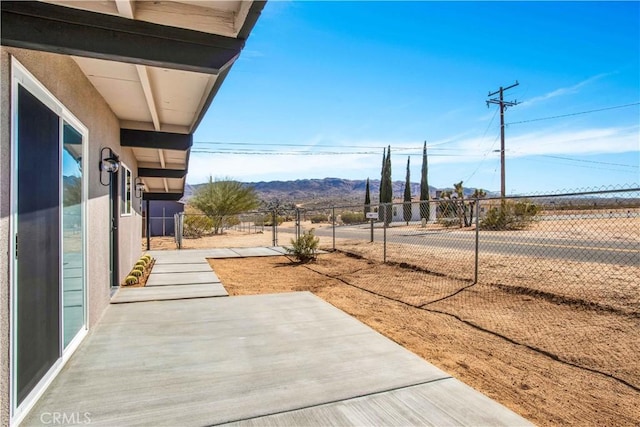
{"x":125,"y":192}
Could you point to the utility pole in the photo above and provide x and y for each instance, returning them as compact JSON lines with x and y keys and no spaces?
{"x":503,"y":106}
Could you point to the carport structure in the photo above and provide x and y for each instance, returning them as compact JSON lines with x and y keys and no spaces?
{"x":100,"y":100}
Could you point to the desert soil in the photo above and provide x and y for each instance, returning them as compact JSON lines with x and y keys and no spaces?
{"x":562,"y":364}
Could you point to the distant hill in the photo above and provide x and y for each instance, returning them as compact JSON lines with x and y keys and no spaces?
{"x":327,"y":191}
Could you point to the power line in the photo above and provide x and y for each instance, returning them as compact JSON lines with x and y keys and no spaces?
{"x":574,"y":114}
{"x":278,"y":144}
{"x":312,"y":153}
{"x":529,"y":159}
{"x":588,"y":161}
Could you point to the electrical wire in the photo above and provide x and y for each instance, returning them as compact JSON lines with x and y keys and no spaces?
{"x":573,"y":114}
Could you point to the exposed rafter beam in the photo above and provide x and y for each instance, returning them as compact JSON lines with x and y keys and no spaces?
{"x":162,"y":196}
{"x":159,"y":140}
{"x":59,"y":29}
{"x":163,"y":163}
{"x":126,"y":8}
{"x":161,"y":173}
{"x":148,"y":95}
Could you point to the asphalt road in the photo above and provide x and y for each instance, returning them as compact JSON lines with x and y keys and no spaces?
{"x":509,"y":243}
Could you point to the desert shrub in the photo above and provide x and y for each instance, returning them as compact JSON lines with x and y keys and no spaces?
{"x":510,"y":216}
{"x":315,"y":219}
{"x":196,"y":226}
{"x":305,"y":247}
{"x":449,"y":222}
{"x":267,"y":220}
{"x":353,"y":217}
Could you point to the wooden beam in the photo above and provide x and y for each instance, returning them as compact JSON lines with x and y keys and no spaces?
{"x":52,"y":28}
{"x":162,"y":196}
{"x":158,"y":140}
{"x":126,"y":8}
{"x":143,"y":75}
{"x":161,"y":173}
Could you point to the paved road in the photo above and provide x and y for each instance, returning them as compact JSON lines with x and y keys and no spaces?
{"x":605,"y":251}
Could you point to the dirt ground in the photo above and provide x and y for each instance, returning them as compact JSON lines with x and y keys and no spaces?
{"x":553,"y":362}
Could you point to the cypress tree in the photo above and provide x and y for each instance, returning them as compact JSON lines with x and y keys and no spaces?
{"x":388,"y":187}
{"x":406,"y":207}
{"x":424,"y":186}
{"x":367,"y":200}
{"x":382,"y":175}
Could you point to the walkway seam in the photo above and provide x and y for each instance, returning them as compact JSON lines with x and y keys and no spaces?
{"x":375,"y":393}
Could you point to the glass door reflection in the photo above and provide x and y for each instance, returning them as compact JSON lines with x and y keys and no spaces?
{"x":72,"y":235}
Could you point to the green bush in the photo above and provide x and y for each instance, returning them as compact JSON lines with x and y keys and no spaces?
{"x":196,"y":226}
{"x":510,"y":216}
{"x":315,"y":219}
{"x":305,"y":247}
{"x":353,"y":217}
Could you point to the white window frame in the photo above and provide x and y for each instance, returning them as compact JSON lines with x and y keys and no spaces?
{"x":126,"y":194}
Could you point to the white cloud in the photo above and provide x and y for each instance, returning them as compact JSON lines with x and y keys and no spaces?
{"x":563,"y":91}
{"x":449,"y":151}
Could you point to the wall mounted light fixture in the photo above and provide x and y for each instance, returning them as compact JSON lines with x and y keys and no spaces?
{"x":140,"y":187}
{"x":109,"y":164}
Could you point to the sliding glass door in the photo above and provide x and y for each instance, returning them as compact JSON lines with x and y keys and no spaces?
{"x":49,"y":231}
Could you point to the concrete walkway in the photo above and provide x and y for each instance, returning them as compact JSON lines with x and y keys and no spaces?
{"x":183,"y":274}
{"x":285,"y":359}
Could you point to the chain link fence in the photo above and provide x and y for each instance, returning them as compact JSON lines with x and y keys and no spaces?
{"x":556,"y":273}
{"x":559,"y":273}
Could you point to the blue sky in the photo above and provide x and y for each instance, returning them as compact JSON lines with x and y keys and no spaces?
{"x":322,"y":87}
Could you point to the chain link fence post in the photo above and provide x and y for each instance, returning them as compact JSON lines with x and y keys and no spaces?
{"x":384,"y":233}
{"x":274,"y":227}
{"x":298,"y":225}
{"x":179,"y":223}
{"x":333,"y":226}
{"x":477,"y":254}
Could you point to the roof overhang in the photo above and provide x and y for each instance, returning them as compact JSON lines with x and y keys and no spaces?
{"x":158,"y":64}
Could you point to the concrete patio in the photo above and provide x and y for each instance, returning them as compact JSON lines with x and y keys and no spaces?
{"x":285,"y":359}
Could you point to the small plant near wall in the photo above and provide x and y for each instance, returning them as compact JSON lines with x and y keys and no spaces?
{"x":131,"y":280}
{"x":305,"y":247}
{"x":140,"y":272}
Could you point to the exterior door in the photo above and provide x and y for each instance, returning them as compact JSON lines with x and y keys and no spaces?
{"x":38,"y":244}
{"x":113,"y":240}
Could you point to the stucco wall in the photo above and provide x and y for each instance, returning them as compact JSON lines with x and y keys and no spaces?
{"x":64,"y":79}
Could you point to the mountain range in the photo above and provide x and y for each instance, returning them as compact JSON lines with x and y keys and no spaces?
{"x":325,"y":191}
